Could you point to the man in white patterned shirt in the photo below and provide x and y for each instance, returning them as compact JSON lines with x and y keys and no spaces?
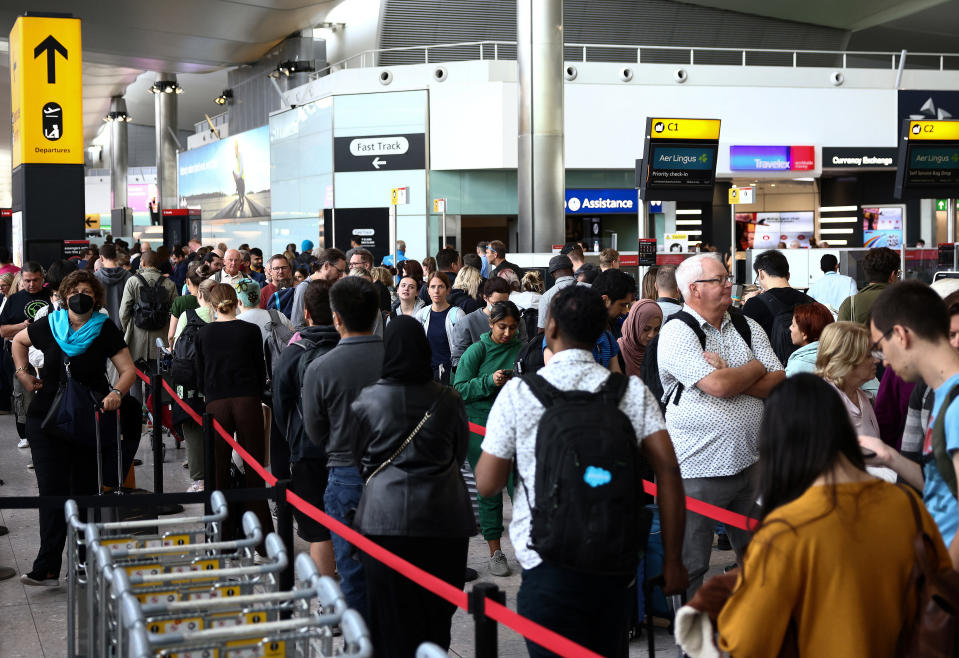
{"x":585,"y":607}
{"x":714,"y":423}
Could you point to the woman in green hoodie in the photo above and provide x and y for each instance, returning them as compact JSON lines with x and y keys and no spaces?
{"x":482,"y":370}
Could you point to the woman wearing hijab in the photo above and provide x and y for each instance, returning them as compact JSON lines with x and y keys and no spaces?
{"x":410,"y":435}
{"x":84,"y":338}
{"x":642,"y":325}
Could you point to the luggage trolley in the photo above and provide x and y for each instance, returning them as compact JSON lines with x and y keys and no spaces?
{"x":204,"y":577}
{"x":120,"y":534}
{"x":271,"y":624}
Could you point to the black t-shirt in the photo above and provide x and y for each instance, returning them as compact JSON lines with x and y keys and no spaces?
{"x":88,"y":368}
{"x":230,"y":360}
{"x":22,"y":305}
{"x":757,"y":309}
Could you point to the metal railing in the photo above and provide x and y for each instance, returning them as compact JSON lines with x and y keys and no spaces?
{"x":642,"y":54}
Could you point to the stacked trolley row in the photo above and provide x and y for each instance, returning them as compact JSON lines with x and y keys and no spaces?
{"x":180,"y":590}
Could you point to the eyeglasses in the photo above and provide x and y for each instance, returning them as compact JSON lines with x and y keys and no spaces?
{"x":730,"y":279}
{"x":875,"y":350}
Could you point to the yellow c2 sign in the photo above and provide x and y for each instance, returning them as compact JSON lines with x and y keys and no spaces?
{"x":938,"y":130}
{"x":46,"y":91}
{"x":684,"y":129}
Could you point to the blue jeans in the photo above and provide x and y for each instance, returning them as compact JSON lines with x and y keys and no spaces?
{"x":341,"y":499}
{"x":590,"y":609}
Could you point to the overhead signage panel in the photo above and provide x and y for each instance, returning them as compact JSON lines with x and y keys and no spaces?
{"x":858,"y":158}
{"x":772,"y":158}
{"x":592,"y":202}
{"x":379,"y":152}
{"x":684,"y":129}
{"x":46,"y":85}
{"x":679,"y":159}
{"x":928,"y":165}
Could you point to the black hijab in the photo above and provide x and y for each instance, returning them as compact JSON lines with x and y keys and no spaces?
{"x":408,"y":355}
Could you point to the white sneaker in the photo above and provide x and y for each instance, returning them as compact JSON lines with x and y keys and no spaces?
{"x":498,"y":566}
{"x":24,"y":443}
{"x":196,"y":487}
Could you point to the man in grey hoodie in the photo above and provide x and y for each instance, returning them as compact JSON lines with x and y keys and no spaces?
{"x":113,"y":277}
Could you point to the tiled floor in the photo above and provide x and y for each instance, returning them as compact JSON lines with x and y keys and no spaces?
{"x":34,"y":619}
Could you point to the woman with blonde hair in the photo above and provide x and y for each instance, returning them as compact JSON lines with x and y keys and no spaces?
{"x":533,"y":288}
{"x":383,"y":275}
{"x":465,"y":288}
{"x":232,"y":375}
{"x":846,"y":362}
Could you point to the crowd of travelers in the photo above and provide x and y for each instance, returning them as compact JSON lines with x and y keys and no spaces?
{"x":825,"y":415}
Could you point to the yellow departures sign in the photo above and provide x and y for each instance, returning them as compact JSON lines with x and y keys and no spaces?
{"x":46,"y":85}
{"x":684,"y":129}
{"x":934,"y":130}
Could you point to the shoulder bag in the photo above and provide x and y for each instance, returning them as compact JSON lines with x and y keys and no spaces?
{"x":409,"y":439}
{"x":72,"y":414}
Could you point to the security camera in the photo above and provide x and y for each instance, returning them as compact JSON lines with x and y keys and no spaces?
{"x":837,"y":78}
{"x":626,"y":75}
{"x":571,"y":72}
{"x":680,"y":75}
{"x":386,"y":77}
{"x":440,"y":74}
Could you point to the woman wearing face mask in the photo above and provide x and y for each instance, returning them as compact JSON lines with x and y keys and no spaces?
{"x":407,"y":302}
{"x":642,"y":325}
{"x":77,"y":334}
{"x":438,"y":321}
{"x":483,"y":369}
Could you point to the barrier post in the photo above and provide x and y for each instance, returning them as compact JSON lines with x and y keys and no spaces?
{"x":485,"y":628}
{"x":157,"y":438}
{"x":209,"y":457}
{"x":284,"y":523}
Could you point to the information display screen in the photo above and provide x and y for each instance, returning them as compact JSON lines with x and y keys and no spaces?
{"x":679,"y":159}
{"x":928,"y":160}
{"x":882,"y":227}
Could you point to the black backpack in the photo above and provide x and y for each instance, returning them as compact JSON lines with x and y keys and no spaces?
{"x":530,"y":359}
{"x":779,"y":336}
{"x":278,"y":336}
{"x":528,"y":319}
{"x":282,"y":300}
{"x":588,"y":513}
{"x":151,"y":308}
{"x":649,"y":371}
{"x":183,"y":370}
{"x":311,"y":350}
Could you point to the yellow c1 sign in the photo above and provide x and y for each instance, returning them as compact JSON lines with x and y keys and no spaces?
{"x":940,"y":130}
{"x":46,"y":86}
{"x":684,"y":129}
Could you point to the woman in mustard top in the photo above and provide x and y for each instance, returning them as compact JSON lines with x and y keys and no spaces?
{"x":834,"y":549}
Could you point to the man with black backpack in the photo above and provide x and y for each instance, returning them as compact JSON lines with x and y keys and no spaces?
{"x":773,"y":307}
{"x":716,"y":367}
{"x":145,"y":314}
{"x":578,"y":435}
{"x":307,"y":461}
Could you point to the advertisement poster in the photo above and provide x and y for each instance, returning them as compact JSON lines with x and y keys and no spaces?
{"x":229,"y":179}
{"x":139,"y":195}
{"x":882,"y":227}
{"x":767,"y":230}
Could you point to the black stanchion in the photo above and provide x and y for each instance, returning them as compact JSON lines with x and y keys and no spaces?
{"x":209,"y":457}
{"x":157,"y":437}
{"x":485,"y":629}
{"x":284,"y":523}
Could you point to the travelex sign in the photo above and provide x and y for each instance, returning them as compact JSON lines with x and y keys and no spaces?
{"x":591,"y":202}
{"x":772,"y":158}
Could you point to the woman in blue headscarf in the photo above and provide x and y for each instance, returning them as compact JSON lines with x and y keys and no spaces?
{"x":79,"y":336}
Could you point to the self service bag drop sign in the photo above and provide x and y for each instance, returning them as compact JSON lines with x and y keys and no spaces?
{"x":679,"y":159}
{"x":928,"y":160}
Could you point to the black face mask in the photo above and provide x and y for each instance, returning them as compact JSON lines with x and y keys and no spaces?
{"x":80,"y":303}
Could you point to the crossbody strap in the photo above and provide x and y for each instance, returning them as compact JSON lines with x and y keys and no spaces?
{"x":429,"y":413}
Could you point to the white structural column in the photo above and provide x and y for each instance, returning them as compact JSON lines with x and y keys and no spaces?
{"x":165,"y":105}
{"x":541,"y":176}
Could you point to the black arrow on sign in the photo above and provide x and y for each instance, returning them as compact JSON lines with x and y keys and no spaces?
{"x":51,"y":46}
{"x":91,"y":222}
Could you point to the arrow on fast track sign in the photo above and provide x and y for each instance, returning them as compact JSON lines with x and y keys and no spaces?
{"x":377,"y":163}
{"x":51,"y":46}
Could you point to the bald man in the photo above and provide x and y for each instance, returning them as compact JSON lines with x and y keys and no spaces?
{"x":232,"y":268}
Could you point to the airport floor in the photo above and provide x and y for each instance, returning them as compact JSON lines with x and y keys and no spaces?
{"x":36,"y":617}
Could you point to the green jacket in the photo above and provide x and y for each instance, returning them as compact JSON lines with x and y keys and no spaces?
{"x":856,"y":308}
{"x":474,"y":374}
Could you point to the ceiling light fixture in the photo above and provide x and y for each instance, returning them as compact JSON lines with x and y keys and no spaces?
{"x":165,"y":87}
{"x":117,"y":116}
{"x":224,"y":97}
{"x":291,"y":67}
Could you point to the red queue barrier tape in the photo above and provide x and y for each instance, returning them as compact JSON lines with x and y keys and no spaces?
{"x":268,"y":477}
{"x":538,"y":634}
{"x":724,"y":516}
